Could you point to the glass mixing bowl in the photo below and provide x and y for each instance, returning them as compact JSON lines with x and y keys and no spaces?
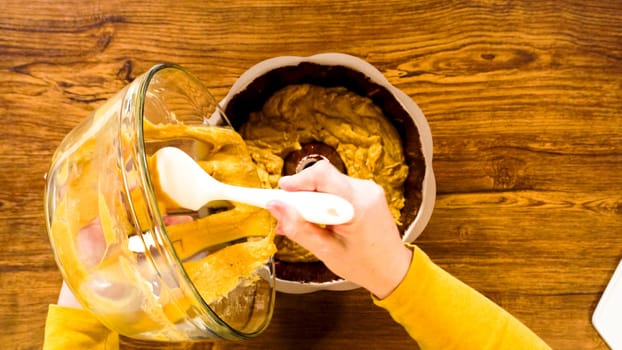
{"x":112,"y":243}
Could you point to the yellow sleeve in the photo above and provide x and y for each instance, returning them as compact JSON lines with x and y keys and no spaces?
{"x":441,"y":312}
{"x":69,"y":328}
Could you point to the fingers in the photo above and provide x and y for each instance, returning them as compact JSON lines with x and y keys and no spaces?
{"x":321,"y":177}
{"x":176,"y":219}
{"x":91,"y":243}
{"x":317,"y":240}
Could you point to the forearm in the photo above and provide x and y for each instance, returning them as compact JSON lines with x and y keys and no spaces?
{"x":441,"y":312}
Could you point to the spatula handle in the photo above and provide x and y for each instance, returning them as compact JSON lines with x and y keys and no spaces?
{"x":315,"y":207}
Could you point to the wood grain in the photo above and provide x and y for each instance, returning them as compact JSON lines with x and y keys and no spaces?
{"x":524,"y":100}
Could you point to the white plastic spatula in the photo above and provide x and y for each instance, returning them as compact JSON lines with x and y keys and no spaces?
{"x":186,"y":183}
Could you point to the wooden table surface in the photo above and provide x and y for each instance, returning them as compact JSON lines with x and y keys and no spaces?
{"x":524,"y":99}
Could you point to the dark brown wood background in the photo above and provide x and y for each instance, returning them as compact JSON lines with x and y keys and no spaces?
{"x":524,"y":99}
